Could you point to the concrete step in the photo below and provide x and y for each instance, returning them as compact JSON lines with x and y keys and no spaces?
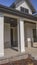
{"x":28,"y":61}
{"x":14,"y":58}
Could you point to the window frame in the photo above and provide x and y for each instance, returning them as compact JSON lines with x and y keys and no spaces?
{"x":24,"y":10}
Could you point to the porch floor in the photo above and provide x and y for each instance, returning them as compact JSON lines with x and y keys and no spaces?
{"x":12,"y":55}
{"x":10,"y":52}
{"x":13,"y":52}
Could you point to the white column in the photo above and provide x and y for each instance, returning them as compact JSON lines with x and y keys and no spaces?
{"x":18,"y":35}
{"x":21,"y":42}
{"x":1,"y":36}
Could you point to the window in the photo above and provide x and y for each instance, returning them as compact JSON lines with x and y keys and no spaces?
{"x":24,"y":10}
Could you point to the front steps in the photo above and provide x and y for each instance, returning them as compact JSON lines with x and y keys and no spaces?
{"x":18,"y":60}
{"x":13,"y":58}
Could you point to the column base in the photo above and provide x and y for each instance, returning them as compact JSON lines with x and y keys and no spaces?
{"x":22,"y":51}
{"x":1,"y":54}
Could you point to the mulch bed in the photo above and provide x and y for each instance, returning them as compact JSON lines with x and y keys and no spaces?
{"x":21,"y":62}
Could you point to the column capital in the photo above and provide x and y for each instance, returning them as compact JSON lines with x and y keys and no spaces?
{"x":20,"y":19}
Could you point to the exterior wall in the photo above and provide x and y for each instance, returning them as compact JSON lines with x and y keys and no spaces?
{"x":25,"y":5}
{"x":7,"y":40}
{"x":7,"y":35}
{"x":15,"y":34}
{"x":29,"y":33}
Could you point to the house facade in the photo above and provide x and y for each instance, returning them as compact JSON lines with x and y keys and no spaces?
{"x":18,"y":26}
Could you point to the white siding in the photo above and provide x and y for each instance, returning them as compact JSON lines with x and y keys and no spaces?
{"x":29,"y":33}
{"x":25,"y":5}
{"x":7,"y":40}
{"x":15,"y":34}
{"x":7,"y":35}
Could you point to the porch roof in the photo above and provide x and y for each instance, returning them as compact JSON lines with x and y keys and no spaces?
{"x":4,"y":9}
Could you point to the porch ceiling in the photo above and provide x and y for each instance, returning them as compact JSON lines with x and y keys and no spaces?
{"x":12,"y":21}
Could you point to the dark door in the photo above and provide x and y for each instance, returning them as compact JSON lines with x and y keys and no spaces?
{"x":11,"y":37}
{"x":34,"y":34}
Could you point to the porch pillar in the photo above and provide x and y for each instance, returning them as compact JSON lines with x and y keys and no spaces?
{"x":1,"y":36}
{"x":21,"y":42}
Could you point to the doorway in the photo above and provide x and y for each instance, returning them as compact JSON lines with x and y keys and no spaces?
{"x":11,"y":37}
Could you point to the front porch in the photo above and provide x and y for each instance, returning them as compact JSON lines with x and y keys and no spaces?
{"x":11,"y":43}
{"x":18,"y":37}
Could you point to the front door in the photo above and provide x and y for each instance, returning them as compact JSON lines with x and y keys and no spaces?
{"x":11,"y":37}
